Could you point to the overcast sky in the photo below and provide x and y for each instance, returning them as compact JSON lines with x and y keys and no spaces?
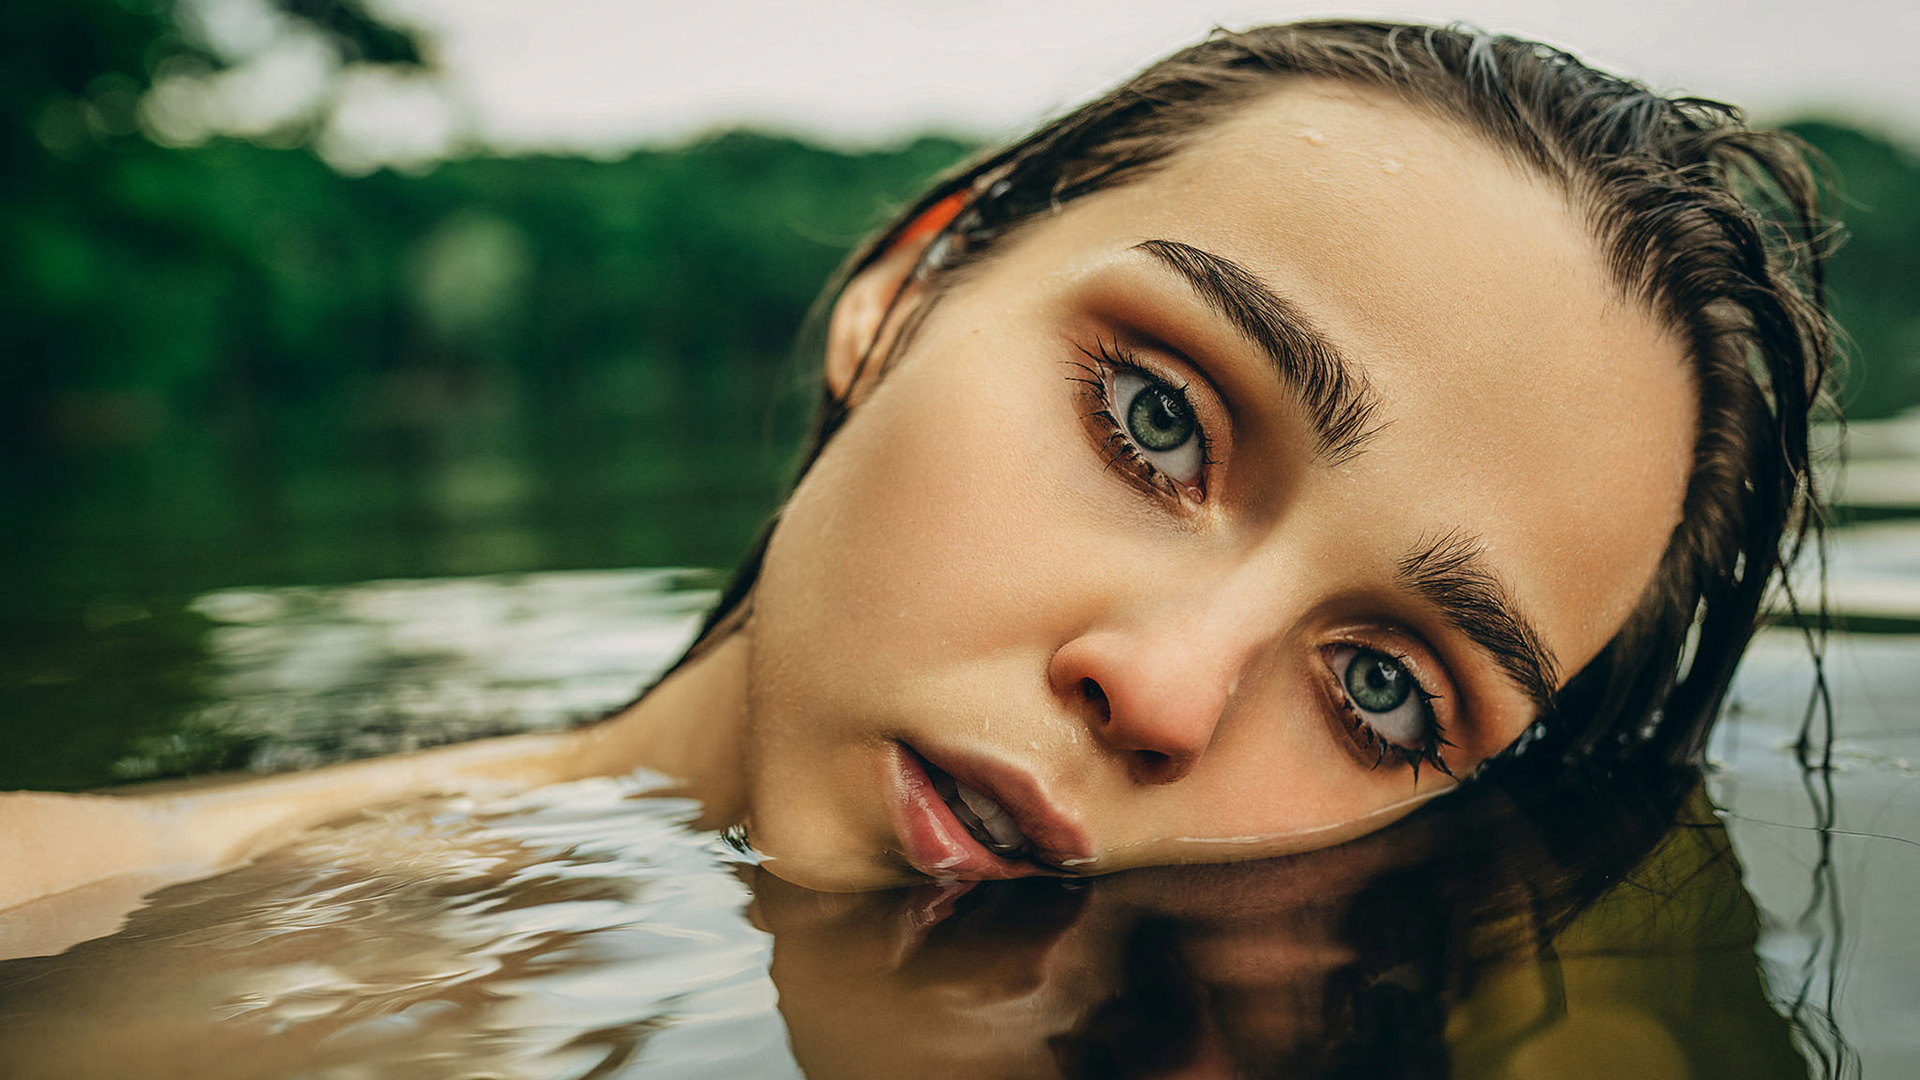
{"x":604,"y":75}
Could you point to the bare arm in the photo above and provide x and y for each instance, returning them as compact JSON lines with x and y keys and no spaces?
{"x":53,"y":843}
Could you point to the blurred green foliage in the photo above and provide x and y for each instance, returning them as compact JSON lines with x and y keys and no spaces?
{"x":1875,"y":275}
{"x":238,"y":275}
{"x":235,"y":276}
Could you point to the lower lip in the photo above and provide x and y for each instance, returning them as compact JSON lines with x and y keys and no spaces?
{"x":932,"y":838}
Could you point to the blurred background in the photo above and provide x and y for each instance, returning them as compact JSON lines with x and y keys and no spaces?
{"x":309,"y":293}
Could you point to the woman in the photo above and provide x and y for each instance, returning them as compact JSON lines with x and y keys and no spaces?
{"x":1330,"y":414}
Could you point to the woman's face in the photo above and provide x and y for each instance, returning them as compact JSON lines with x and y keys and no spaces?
{"x":1226,"y":513}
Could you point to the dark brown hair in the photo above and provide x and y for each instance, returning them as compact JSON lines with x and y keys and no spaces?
{"x":1715,"y":226}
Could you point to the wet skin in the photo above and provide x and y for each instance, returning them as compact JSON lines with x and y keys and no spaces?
{"x":1149,"y":656}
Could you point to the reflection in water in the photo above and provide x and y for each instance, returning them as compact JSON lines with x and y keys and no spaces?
{"x":313,"y":675}
{"x":582,"y":931}
{"x":560,"y":933}
{"x":270,"y":679}
{"x":1414,"y":953}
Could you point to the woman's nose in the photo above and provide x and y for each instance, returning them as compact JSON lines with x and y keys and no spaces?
{"x":1157,"y":699}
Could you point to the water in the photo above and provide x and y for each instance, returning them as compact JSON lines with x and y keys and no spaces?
{"x":571,"y":930}
{"x":583,"y":930}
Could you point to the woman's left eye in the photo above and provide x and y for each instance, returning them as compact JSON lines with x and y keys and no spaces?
{"x":1390,"y":710}
{"x":1152,"y":428}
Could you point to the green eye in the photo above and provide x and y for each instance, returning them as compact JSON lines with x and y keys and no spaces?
{"x":1159,"y":420}
{"x":1377,"y":682}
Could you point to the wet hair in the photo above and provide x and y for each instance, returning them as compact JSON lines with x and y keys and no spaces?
{"x":1713,"y":225}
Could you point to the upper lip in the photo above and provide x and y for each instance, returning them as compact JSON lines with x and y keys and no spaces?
{"x":1057,"y":840}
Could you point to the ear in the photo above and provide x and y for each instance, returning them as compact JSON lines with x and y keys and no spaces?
{"x":862,"y":327}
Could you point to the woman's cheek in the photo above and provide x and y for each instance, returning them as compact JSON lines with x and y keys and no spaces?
{"x":952,"y":512}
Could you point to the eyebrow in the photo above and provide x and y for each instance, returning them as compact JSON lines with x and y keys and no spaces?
{"x":1452,"y":574}
{"x":1339,"y":402}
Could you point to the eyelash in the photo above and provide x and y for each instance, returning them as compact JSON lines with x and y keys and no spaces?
{"x":1096,"y":373}
{"x":1427,"y":753}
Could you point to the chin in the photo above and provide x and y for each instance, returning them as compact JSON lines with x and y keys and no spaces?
{"x":811,"y":823}
{"x":823,"y":866}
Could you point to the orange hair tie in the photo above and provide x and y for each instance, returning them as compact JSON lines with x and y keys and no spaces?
{"x":932,"y":219}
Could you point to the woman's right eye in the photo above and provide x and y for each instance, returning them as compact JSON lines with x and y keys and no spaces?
{"x":1160,"y":422}
{"x":1149,"y":424}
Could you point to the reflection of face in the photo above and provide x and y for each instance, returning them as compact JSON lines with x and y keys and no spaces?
{"x":1084,"y":551}
{"x":1040,"y":979}
{"x":1394,"y":955}
{"x":949,"y":981}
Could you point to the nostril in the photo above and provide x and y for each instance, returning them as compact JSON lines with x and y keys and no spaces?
{"x":1092,"y":692}
{"x":1154,"y":767}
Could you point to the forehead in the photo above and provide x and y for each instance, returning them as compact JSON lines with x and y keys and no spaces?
{"x":1525,"y":398}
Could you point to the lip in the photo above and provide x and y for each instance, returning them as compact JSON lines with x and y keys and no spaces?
{"x":936,"y":844}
